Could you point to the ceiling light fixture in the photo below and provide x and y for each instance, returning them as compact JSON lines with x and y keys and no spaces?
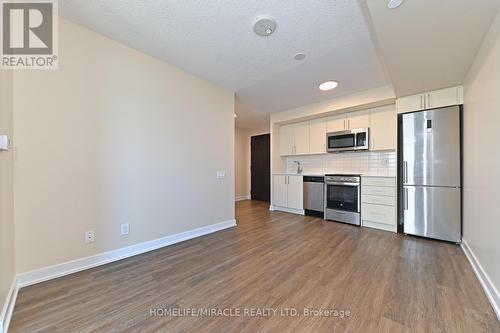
{"x":393,"y":4}
{"x":264,"y":26}
{"x":299,"y":56}
{"x":328,"y":85}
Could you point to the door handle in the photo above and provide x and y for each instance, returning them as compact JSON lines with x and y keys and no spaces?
{"x":405,"y":199}
{"x":405,"y":172}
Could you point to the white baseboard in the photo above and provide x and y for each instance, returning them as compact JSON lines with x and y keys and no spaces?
{"x":8,"y":307}
{"x":242,"y":197}
{"x":289,"y":210}
{"x":73,"y":266}
{"x":489,"y":288}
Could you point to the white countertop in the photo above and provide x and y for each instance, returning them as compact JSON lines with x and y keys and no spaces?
{"x":322,"y":174}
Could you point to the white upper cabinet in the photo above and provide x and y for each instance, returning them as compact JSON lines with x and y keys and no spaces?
{"x":383,"y":128}
{"x":431,"y":100}
{"x":337,"y":123}
{"x":444,"y":97}
{"x":301,"y":138}
{"x":317,"y":136}
{"x":287,"y":139}
{"x":358,"y":119}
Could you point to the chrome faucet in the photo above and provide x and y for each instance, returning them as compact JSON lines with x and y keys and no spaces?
{"x":299,"y":168}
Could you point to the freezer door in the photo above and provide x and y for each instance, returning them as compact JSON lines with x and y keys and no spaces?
{"x":432,"y":212}
{"x":431,"y":147}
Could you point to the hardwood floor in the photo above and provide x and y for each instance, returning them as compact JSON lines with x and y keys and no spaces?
{"x":388,"y":282}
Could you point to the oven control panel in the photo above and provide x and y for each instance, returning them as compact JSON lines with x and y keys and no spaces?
{"x":342,"y":179}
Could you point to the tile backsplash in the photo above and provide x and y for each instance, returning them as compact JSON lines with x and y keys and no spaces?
{"x":373,"y":163}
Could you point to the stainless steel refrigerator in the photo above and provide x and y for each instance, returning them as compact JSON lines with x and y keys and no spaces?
{"x":431,"y":174}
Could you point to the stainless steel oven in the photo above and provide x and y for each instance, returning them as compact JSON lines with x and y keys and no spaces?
{"x":355,"y":139}
{"x":343,"y":198}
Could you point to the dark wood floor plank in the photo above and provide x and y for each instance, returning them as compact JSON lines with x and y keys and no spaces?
{"x":388,"y":282}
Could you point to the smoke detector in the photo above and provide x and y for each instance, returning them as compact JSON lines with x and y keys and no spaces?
{"x":393,"y":4}
{"x":299,"y":56}
{"x":264,"y":26}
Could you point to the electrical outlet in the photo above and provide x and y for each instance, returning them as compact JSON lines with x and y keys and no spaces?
{"x":89,"y":236}
{"x":125,"y":229}
{"x":221,"y":174}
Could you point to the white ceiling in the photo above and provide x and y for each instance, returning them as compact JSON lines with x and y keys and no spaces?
{"x":424,"y":44}
{"x":214,"y":39}
{"x":429,"y":44}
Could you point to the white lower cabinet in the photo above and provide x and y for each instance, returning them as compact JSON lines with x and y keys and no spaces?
{"x":280,"y":188}
{"x":295,"y":192}
{"x":288,"y":193}
{"x":378,"y":203}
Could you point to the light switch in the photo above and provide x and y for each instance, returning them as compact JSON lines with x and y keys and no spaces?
{"x":221,"y":174}
{"x":4,"y":142}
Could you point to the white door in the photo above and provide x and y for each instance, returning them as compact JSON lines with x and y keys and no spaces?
{"x":337,"y":123}
{"x":442,"y":98}
{"x":358,"y":119}
{"x":317,"y":136}
{"x":301,"y":138}
{"x":280,"y":190}
{"x":410,"y":103}
{"x":383,"y":128}
{"x":295,"y":192}
{"x":287,"y":139}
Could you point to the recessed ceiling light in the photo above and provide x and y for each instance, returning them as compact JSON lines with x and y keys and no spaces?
{"x":328,"y":85}
{"x":264,"y":26}
{"x":393,"y":4}
{"x":299,"y":56}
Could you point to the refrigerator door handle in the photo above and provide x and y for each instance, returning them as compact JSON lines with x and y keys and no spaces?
{"x":405,"y":199}
{"x":405,"y":172}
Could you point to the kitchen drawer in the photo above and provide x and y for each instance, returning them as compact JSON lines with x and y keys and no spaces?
{"x":377,"y":190}
{"x":378,"y":200}
{"x":379,"y":181}
{"x":379,"y":213}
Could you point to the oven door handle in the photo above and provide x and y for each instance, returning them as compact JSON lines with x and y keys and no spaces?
{"x":343,"y":184}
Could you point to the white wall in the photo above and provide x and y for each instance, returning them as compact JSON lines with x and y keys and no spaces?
{"x":481,"y":222}
{"x":115,"y":136}
{"x":242,"y":163}
{"x":7,"y":269}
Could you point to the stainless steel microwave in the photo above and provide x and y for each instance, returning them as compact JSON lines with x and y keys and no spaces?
{"x":355,"y":139}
